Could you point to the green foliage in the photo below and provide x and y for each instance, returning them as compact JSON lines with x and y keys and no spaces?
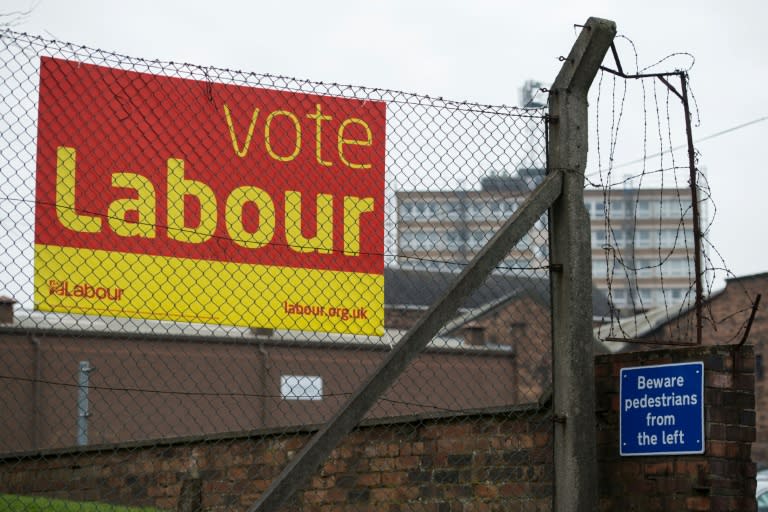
{"x":11,"y":503}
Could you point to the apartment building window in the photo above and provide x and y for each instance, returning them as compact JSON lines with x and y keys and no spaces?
{"x":619,"y":295}
{"x":481,"y":211}
{"x":524,"y":242}
{"x":406,"y":240}
{"x":454,"y":209}
{"x":602,"y":268}
{"x":492,"y":208}
{"x":675,"y":267}
{"x":669,"y":238}
{"x":670,"y":208}
{"x":453,"y":240}
{"x":479,"y":238}
{"x":445,"y":209}
{"x":435,"y":241}
{"x":420,"y":210}
{"x":643,"y":209}
{"x":411,"y":210}
{"x":404,"y":210}
{"x":685,"y":204}
{"x":676,"y":293}
{"x":617,"y":210}
{"x":676,"y":238}
{"x":507,"y":207}
{"x":473,"y":211}
{"x":598,"y":238}
{"x":599,"y":210}
{"x":413,"y":240}
{"x":621,"y":237}
{"x":676,"y":208}
{"x":646,"y":268}
{"x":598,"y":268}
{"x":642,"y":239}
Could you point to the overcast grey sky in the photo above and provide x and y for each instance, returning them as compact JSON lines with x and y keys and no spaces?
{"x":480,"y":51}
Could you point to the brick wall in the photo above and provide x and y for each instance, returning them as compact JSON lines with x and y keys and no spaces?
{"x":44,"y":416}
{"x":726,"y":315}
{"x":402,"y":318}
{"x":495,"y":461}
{"x":721,"y":479}
{"x":472,"y":463}
{"x":524,"y":324}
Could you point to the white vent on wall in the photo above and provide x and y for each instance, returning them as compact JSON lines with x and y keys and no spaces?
{"x":301,"y":387}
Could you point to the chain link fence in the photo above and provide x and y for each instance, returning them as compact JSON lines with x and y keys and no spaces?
{"x":198,"y":253}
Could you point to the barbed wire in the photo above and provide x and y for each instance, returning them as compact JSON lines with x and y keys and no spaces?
{"x":621,"y":261}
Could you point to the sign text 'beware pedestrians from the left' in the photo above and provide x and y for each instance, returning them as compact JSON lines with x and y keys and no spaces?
{"x":662,"y":409}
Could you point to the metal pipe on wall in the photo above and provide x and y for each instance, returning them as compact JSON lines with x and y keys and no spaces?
{"x":83,"y":405}
{"x":34,"y":423}
{"x":264,"y":384}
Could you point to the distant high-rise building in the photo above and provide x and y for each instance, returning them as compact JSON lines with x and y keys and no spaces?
{"x":443,"y":230}
{"x":642,"y":246}
{"x":642,"y":239}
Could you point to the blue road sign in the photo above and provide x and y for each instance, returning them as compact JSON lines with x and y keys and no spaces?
{"x":662,"y":409}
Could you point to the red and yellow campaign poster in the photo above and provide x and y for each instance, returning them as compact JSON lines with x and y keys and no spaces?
{"x":186,"y":200}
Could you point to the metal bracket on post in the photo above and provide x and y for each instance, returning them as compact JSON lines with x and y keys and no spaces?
{"x":573,"y":358}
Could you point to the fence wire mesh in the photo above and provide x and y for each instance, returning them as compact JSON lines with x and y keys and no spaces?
{"x":201,"y":265}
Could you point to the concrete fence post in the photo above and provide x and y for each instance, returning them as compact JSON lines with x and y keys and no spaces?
{"x":571,"y":274}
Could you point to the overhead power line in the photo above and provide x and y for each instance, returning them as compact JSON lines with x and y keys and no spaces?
{"x":711,"y":136}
